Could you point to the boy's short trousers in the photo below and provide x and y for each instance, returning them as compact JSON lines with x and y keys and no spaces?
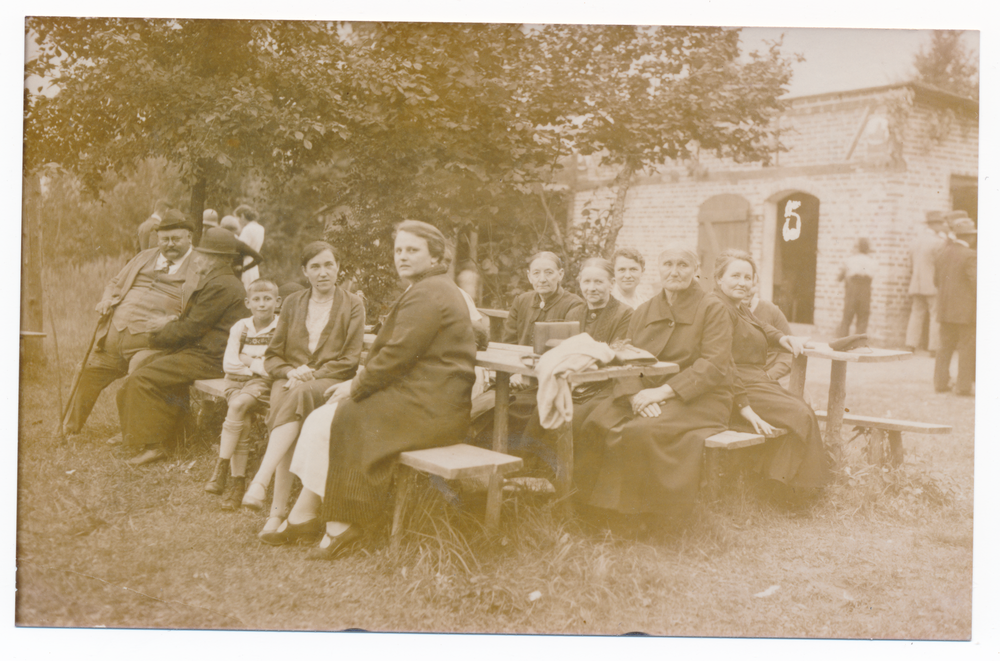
{"x":257,"y":387}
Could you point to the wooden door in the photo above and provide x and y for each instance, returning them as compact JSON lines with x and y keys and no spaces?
{"x":723,"y":222}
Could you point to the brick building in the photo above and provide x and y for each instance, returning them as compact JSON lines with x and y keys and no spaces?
{"x":866,"y":162}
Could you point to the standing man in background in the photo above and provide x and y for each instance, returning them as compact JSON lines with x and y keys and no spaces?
{"x":252,"y":234}
{"x":857,"y":273}
{"x":209,"y":218}
{"x":923,"y":253}
{"x":955,"y":277}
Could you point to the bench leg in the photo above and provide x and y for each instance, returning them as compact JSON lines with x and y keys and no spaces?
{"x":494,"y":496}
{"x":797,"y":379}
{"x":896,"y":448}
{"x":405,"y":481}
{"x":876,"y":447}
{"x":713,"y":473}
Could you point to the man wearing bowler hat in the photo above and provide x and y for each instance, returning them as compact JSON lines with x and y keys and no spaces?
{"x":923,"y":293}
{"x":955,"y":278}
{"x":154,"y":397}
{"x":153,"y":287}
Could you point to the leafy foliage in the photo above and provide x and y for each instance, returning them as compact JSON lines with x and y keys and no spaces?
{"x":948,"y":64}
{"x":461,"y":125}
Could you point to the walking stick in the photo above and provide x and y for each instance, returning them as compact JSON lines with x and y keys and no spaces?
{"x":79,"y":373}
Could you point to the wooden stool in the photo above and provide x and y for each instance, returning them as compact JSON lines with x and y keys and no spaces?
{"x":454,"y":462}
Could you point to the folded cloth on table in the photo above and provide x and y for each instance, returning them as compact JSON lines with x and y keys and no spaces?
{"x":575,"y":354}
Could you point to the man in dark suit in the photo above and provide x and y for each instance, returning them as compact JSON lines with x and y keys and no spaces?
{"x":154,"y":397}
{"x":955,"y":279}
{"x":154,"y":286}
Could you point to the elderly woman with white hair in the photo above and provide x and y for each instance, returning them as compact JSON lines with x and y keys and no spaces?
{"x":639,"y":443}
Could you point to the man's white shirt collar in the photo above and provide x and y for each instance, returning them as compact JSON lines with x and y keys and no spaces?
{"x":161,"y":261}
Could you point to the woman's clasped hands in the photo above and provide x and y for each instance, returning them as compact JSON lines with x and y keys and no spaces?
{"x":646,"y":403}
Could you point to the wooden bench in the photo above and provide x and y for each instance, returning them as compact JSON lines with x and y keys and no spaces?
{"x":718,"y":457}
{"x":497,"y":319}
{"x":453,"y":462}
{"x":886,"y":429}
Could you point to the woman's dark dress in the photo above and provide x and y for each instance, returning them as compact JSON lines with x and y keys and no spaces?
{"x":414,"y":392}
{"x":631,"y":464}
{"x":798,"y":459}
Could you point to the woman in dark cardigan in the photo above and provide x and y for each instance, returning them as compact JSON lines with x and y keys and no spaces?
{"x":413,"y":393}
{"x":316,"y":345}
{"x":638,"y":444}
{"x":798,"y":458}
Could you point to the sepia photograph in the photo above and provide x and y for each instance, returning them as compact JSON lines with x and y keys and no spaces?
{"x":580,"y":328}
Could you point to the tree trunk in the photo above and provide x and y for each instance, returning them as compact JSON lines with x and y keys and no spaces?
{"x":621,"y":185}
{"x":31,"y":272}
{"x":198,"y":203}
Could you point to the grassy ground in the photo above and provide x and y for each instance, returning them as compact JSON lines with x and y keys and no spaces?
{"x":887,"y":556}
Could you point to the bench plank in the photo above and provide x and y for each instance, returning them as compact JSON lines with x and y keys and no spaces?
{"x":460,"y":461}
{"x":731,"y":440}
{"x":889,"y":424}
{"x":211,"y":387}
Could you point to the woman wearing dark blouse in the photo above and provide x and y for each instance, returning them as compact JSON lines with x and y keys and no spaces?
{"x":798,"y":458}
{"x":547,"y":301}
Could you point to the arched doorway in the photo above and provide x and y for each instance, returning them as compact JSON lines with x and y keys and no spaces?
{"x":795,"y":238}
{"x":723,"y":222}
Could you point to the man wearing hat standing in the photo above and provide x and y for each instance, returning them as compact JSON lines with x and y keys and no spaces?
{"x":923,"y":293}
{"x":154,"y":397}
{"x":955,"y":278}
{"x":153,"y":286}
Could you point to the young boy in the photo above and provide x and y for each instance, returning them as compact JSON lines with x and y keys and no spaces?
{"x":247,"y":385}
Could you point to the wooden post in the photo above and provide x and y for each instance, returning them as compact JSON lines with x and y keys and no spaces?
{"x":31,"y":271}
{"x":405,"y":477}
{"x":564,"y":467}
{"x":797,"y":379}
{"x":494,"y":492}
{"x":835,"y":405}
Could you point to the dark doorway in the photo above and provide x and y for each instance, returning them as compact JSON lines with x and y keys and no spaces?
{"x":965,"y":196}
{"x":723,"y":222}
{"x":795,"y":257}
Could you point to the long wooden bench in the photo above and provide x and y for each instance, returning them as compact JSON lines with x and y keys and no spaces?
{"x":882,"y":430}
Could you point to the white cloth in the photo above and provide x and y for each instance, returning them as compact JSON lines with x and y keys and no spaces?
{"x":311,"y":459}
{"x":576,"y":354}
{"x":317,"y":316}
{"x":633,"y":301}
{"x":252,"y":234}
{"x":161,"y":263}
{"x":231,"y":363}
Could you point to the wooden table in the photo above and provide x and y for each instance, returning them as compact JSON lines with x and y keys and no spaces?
{"x":838,"y":379}
{"x":505,"y":359}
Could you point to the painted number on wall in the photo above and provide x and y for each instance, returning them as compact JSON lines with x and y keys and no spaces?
{"x":791,"y":229}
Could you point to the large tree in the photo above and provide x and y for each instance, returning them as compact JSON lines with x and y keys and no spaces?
{"x":210,"y":95}
{"x":946,"y":62}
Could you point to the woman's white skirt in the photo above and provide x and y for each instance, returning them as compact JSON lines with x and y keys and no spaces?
{"x":311,"y":459}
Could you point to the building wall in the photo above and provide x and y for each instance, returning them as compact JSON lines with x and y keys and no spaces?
{"x":876,"y":161}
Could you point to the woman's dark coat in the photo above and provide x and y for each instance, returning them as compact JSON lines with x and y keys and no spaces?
{"x":413,"y":393}
{"x":631,"y":464}
{"x":798,"y":458}
{"x":519,"y":328}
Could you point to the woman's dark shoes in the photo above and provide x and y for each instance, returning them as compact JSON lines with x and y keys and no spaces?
{"x":217,"y":483}
{"x":232,"y":499}
{"x":293,"y":532}
{"x":341,"y":545}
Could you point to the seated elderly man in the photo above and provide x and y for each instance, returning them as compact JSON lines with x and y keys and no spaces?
{"x":154,"y":397}
{"x":154,"y":286}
